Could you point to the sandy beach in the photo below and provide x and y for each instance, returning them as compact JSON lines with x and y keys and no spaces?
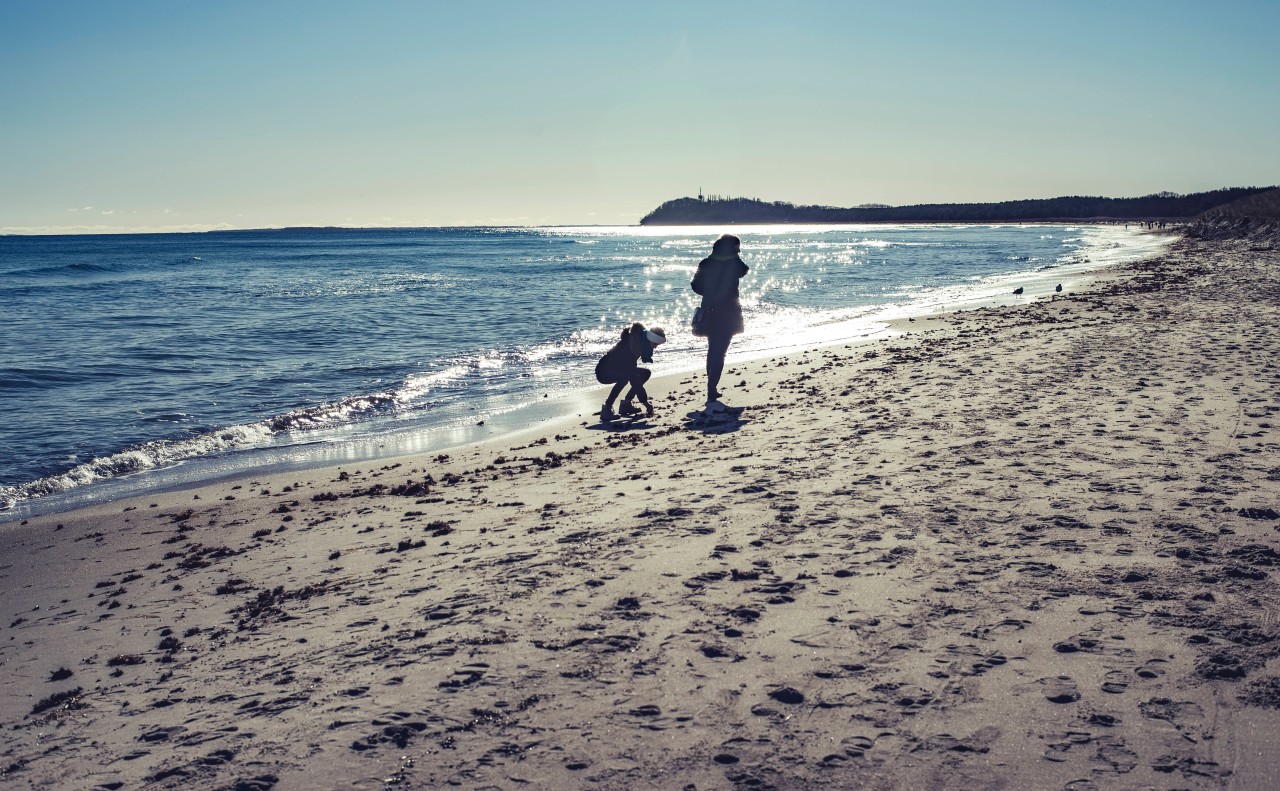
{"x":1032,"y":546}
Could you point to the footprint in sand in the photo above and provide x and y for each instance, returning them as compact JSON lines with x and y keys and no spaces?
{"x":1063,"y":743}
{"x":856,"y":746}
{"x":987,"y":662}
{"x":1115,"y":682}
{"x":1086,"y":642}
{"x":1060,"y":689}
{"x":787,"y":695}
{"x":1117,"y":757}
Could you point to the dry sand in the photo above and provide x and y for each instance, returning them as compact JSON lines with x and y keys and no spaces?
{"x":1024,"y":547}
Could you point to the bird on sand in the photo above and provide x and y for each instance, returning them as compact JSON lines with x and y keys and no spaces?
{"x":1018,"y":291}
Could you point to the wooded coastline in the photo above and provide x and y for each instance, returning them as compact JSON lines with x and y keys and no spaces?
{"x":1163,"y":206}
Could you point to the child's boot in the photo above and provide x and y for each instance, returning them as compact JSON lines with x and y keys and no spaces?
{"x":606,"y":413}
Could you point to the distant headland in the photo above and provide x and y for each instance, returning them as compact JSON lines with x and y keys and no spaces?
{"x":749,"y":211}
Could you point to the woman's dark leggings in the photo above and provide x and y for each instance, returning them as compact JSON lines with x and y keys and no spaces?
{"x":717,"y":347}
{"x":637,"y":380}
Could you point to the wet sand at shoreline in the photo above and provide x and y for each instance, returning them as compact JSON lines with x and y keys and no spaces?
{"x":1028,"y":546}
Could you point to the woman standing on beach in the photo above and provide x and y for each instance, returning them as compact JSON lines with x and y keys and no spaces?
{"x":717,"y":282}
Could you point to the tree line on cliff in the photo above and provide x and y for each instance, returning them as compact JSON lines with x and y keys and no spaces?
{"x":746,"y":211}
{"x":1255,"y":217}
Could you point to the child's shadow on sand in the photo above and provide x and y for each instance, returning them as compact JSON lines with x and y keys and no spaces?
{"x":622,"y":426}
{"x":723,"y":423}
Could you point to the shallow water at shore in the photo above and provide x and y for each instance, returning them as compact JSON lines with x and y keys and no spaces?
{"x":139,"y":362}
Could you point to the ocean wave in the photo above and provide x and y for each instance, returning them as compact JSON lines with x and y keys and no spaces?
{"x":686,"y":244}
{"x":168,"y":417}
{"x":35,"y":379}
{"x":138,"y":458}
{"x":329,"y":414}
{"x":162,"y":453}
{"x":77,"y":268}
{"x":93,"y":268}
{"x":419,"y":385}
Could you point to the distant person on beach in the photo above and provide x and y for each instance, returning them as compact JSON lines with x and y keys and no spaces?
{"x":720,"y":314}
{"x":619,"y":367}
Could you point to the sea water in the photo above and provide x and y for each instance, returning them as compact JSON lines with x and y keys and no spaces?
{"x":131,"y":362}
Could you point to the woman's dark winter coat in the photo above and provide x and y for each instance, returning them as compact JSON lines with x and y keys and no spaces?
{"x":717,"y":281}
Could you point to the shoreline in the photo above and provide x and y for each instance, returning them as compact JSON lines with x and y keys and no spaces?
{"x":1026,"y":546}
{"x":508,"y":420}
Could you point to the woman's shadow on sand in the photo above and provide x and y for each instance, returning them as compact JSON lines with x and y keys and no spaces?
{"x":725,"y":422}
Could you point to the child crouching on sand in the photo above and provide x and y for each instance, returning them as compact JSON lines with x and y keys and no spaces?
{"x":619,"y":368}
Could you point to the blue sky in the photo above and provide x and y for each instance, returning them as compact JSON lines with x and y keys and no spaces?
{"x":191,"y":115}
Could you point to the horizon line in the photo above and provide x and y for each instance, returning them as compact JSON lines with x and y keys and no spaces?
{"x":144,"y":231}
{"x":10,"y":234}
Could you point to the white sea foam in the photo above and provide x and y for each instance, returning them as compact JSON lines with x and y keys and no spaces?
{"x":139,"y":458}
{"x":419,"y":385}
{"x":161,"y":453}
